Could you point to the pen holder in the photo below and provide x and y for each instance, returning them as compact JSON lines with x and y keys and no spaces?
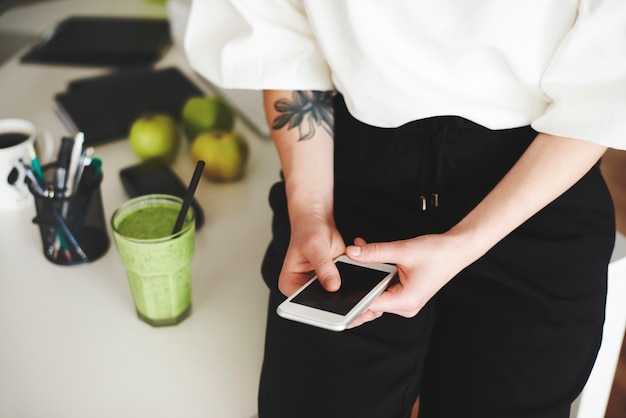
{"x":73,"y":228}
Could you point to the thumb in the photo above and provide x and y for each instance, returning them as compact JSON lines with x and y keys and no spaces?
{"x":374,"y":252}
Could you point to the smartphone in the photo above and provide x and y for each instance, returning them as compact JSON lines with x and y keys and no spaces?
{"x":360,"y":285}
{"x":155,"y":176}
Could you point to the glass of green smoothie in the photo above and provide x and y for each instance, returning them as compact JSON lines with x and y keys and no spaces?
{"x":157,"y":262}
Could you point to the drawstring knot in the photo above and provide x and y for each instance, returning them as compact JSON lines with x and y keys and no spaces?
{"x":432,"y":166}
{"x":430,"y":201}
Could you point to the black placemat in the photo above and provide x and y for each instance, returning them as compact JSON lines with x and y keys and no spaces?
{"x":103,"y":41}
{"x":104,"y":107}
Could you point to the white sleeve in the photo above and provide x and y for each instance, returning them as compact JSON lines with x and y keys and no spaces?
{"x":255,"y":44}
{"x":586,"y":80}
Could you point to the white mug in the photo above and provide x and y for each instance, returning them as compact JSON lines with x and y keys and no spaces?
{"x":16,"y":138}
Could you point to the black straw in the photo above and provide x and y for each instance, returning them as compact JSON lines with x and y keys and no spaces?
{"x":193,"y":184}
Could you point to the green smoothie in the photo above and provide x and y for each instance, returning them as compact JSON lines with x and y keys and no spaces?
{"x":157,"y":263}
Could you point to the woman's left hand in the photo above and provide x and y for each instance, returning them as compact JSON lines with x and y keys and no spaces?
{"x":425,"y":264}
{"x":548,"y":167}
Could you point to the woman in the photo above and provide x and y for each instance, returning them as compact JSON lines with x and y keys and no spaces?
{"x":459,"y":141}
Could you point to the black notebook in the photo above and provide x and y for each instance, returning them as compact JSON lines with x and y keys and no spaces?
{"x":103,"y":41}
{"x":103,"y":108}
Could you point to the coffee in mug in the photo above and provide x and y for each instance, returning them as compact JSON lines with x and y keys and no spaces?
{"x":10,"y":139}
{"x":18,"y":137}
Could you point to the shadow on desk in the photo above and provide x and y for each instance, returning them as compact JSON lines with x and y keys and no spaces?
{"x":11,"y":43}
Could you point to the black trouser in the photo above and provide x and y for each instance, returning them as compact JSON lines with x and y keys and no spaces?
{"x":513,"y":335}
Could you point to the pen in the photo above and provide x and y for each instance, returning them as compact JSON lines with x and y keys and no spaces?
{"x":63,"y":161}
{"x":32,"y":180}
{"x":59,"y":242}
{"x":85,"y":159}
{"x":91,"y":173}
{"x":49,"y":192}
{"x":68,"y":234}
{"x":60,"y":181}
{"x":34,"y":162}
{"x":73,"y":164}
{"x":71,"y":172}
{"x":97,"y":163}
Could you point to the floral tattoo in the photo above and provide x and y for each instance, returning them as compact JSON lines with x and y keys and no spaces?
{"x":306,"y":110}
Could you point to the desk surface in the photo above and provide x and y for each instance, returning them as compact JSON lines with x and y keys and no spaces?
{"x":71,"y":344}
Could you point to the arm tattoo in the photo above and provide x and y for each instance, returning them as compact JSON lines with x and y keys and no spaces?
{"x":305,"y":110}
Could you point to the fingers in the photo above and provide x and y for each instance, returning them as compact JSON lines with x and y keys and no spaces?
{"x":328,"y":275}
{"x":290,"y":279}
{"x":297,"y":271}
{"x":375,"y":252}
{"x":376,"y":311}
{"x":423,"y":265}
{"x":397,"y":301}
{"x":359,"y":241}
{"x":290,"y":282}
{"x":365,"y":317}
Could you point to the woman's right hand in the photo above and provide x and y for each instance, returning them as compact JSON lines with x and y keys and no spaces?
{"x":314,"y":244}
{"x":302,"y":130}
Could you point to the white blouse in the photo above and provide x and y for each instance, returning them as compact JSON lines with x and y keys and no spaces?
{"x":558,"y":65}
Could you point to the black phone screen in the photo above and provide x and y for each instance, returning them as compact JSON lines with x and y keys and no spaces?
{"x":356,"y":282}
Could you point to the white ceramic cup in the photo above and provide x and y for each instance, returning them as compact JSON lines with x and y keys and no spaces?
{"x":16,"y":136}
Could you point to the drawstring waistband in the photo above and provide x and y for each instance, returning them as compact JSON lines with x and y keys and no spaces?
{"x":431,"y":170}
{"x":425,"y":166}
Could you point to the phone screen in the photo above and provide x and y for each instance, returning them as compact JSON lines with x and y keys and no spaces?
{"x":356,"y":282}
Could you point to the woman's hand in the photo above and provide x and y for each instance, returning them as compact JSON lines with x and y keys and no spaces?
{"x":302,"y":130}
{"x":549,"y":167}
{"x":425,"y":264}
{"x":315,"y":243}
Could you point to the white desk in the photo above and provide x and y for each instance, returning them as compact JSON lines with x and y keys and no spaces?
{"x":70,"y":342}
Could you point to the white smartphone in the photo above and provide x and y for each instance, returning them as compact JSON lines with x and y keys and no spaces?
{"x":360,"y":285}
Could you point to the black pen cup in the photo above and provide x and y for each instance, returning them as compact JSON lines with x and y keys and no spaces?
{"x":72,"y":225}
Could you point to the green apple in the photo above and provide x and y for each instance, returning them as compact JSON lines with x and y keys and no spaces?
{"x":206,"y":113}
{"x":225,"y":154}
{"x":154,"y":136}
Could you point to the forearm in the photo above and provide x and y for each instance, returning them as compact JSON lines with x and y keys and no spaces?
{"x":549,"y":167}
{"x":301,"y":127}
